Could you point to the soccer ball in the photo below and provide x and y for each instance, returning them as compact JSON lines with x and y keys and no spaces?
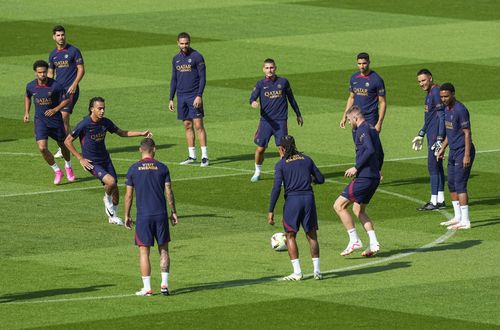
{"x":278,"y":242}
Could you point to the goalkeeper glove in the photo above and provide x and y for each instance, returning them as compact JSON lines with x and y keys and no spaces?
{"x":437,"y":145}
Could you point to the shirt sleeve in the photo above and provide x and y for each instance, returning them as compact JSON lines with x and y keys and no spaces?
{"x":51,"y":62}
{"x":167,"y":175}
{"x":28,"y":92}
{"x":129,"y":179}
{"x":275,"y":192}
{"x":78,"y":57}
{"x":291,"y":99}
{"x":111,"y":127}
{"x":173,"y":80}
{"x":381,"y":87}
{"x":318,"y":178}
{"x":255,"y":92}
{"x":202,"y":73}
{"x":368,"y":149}
{"x":464,"y":118}
{"x":78,"y":129}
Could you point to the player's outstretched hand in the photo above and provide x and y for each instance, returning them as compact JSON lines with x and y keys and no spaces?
{"x":350,"y":172}
{"x":270,"y":218}
{"x":147,"y":134}
{"x":171,"y":106}
{"x":255,"y":104}
{"x":86,"y":164}
{"x":300,"y":120}
{"x":173,"y":219}
{"x":417,"y":143}
{"x":128,"y":223}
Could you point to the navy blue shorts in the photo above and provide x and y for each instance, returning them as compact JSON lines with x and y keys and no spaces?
{"x":185,"y":108}
{"x":361,"y":190}
{"x":100,"y":170}
{"x":266,"y":129}
{"x":457,"y":175}
{"x":151,"y":227}
{"x":43,"y":132}
{"x":73,"y":98}
{"x":300,"y":210}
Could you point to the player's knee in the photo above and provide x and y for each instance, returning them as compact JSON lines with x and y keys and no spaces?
{"x":339,"y":206}
{"x":43,"y":149}
{"x":188,"y":124}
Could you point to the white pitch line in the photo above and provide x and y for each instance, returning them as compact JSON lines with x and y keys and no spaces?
{"x":100,"y":187}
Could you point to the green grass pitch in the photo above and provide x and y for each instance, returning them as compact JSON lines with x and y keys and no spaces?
{"x":61,"y":264}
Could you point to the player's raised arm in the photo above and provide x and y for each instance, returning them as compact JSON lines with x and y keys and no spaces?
{"x":124,"y":133}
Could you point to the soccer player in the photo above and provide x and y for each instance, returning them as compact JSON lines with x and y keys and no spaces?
{"x":369,"y":160}
{"x":49,"y":98}
{"x":188,"y":80}
{"x":95,"y":157}
{"x":460,"y":157}
{"x":66,"y":65}
{"x":296,"y":171}
{"x":151,"y":181}
{"x":434,"y":127}
{"x":367,"y":91}
{"x":274,"y":94}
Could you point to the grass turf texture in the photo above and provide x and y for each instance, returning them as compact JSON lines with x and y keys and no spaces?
{"x":63,"y":266}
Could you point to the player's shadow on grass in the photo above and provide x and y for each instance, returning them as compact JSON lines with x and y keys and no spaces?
{"x":241,"y":157}
{"x":135,"y":148}
{"x":326,"y":275}
{"x":485,"y":201}
{"x":367,"y":270}
{"x":49,"y":293}
{"x":440,"y":247}
{"x":409,"y":181}
{"x":336,"y":175}
{"x":207,"y":215}
{"x":486,"y":222}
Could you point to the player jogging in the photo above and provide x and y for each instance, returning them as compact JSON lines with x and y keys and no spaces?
{"x":150,"y":179}
{"x":188,"y":80}
{"x":296,"y":171}
{"x":274,"y":93}
{"x":66,"y":66}
{"x":95,"y":157}
{"x":369,"y":160}
{"x":460,"y":157}
{"x":49,"y":99}
{"x":434,"y":128}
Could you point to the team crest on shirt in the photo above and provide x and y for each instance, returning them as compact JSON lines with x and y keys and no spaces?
{"x":66,"y":56}
{"x":279,"y":86}
{"x":49,"y":93}
{"x":367,"y":84}
{"x":189,"y":60}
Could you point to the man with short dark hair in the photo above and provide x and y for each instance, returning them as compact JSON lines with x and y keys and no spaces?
{"x":460,"y":157}
{"x":95,"y":157}
{"x":188,"y":80}
{"x":274,"y":93}
{"x":150,"y":179}
{"x":434,"y":128}
{"x":49,"y":98}
{"x":296,"y":171}
{"x":66,"y":66}
{"x":369,"y":160}
{"x":366,"y":90}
